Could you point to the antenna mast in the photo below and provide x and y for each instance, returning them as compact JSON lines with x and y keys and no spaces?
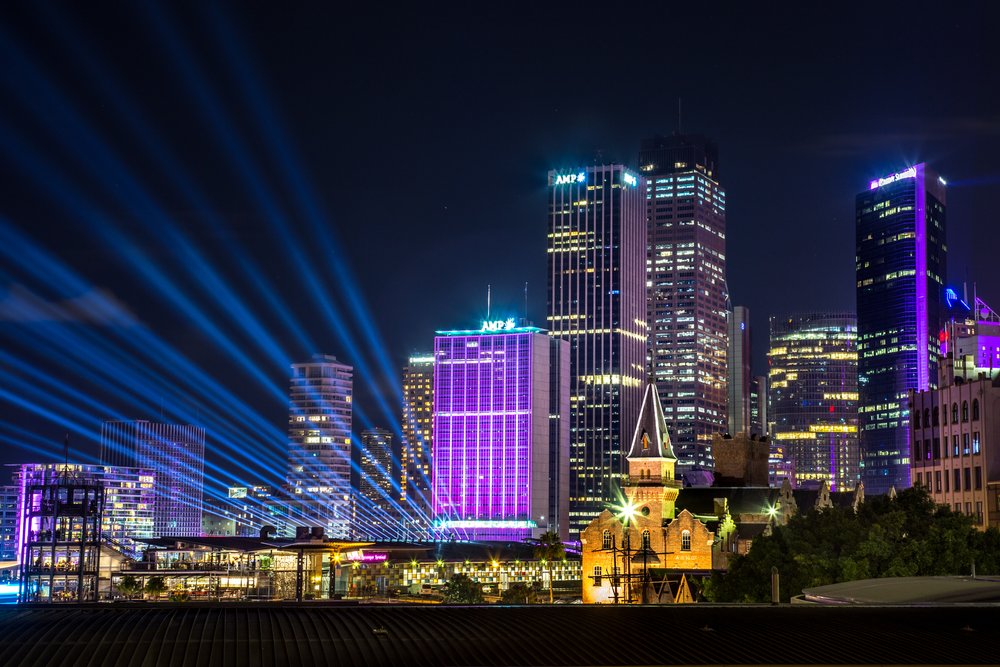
{"x":488,"y":287}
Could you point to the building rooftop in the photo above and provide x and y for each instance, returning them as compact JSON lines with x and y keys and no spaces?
{"x":224,"y":634}
{"x":907,"y":590}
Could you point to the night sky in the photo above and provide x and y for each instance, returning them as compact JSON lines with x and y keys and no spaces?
{"x":327,"y":163}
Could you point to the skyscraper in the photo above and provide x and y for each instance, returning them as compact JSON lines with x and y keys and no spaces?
{"x":597,"y":301}
{"x":418,"y":438}
{"x":814,"y":397}
{"x":175,"y":454}
{"x":901,"y":267}
{"x":319,"y":442}
{"x":493,"y":404}
{"x":377,"y":515}
{"x":740,"y":372}
{"x":687,"y":289}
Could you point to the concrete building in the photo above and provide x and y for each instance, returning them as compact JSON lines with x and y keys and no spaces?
{"x":688,"y":299}
{"x":495,"y":398}
{"x":597,"y":302}
{"x":956,"y":427}
{"x":175,"y":454}
{"x":740,"y":381}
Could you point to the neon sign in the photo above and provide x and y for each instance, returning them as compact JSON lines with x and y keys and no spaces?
{"x":566,"y":179}
{"x":629,"y":178}
{"x":367,"y":556}
{"x":499,"y":325}
{"x":888,"y":180}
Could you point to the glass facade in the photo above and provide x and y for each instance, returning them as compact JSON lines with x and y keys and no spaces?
{"x":175,"y":454}
{"x":813,"y":391}
{"x":418,"y":438}
{"x":688,"y":300}
{"x":597,"y":302}
{"x":901,"y":267}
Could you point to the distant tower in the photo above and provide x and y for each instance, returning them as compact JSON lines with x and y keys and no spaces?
{"x":814,"y":397}
{"x":376,"y":502}
{"x":740,"y":373}
{"x":688,"y":337}
{"x":175,"y":454}
{"x":418,"y":441}
{"x":597,"y":302}
{"x":319,"y":442}
{"x":901,"y":268}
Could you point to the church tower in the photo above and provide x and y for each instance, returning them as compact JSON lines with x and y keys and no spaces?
{"x":651,"y":487}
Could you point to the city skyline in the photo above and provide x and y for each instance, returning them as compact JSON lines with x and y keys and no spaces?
{"x":134,"y":275}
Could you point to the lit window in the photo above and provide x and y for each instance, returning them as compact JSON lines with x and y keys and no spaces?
{"x":686,"y":540}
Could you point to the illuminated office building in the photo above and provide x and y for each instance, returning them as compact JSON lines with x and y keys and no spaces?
{"x":688,"y":299}
{"x":813,"y":389}
{"x":319,"y":444}
{"x":740,"y":373}
{"x":9,"y":513}
{"x":495,"y":401}
{"x":175,"y":454}
{"x":901,"y":266}
{"x":758,"y":405}
{"x":597,"y":302}
{"x":129,"y":498}
{"x":418,"y":438}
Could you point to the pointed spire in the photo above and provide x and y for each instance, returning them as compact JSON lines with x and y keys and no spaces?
{"x":651,"y":439}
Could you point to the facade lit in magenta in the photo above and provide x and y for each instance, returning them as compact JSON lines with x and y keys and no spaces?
{"x":501,"y":410}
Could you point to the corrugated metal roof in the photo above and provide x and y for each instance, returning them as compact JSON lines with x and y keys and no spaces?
{"x":221,"y":635}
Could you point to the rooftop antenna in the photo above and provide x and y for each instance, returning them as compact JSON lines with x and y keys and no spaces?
{"x":488,"y":288}
{"x":526,"y":301}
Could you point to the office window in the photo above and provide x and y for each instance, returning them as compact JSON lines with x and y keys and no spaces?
{"x":954,"y":445}
{"x":916,"y":419}
{"x":927,"y":449}
{"x":920,"y":479}
{"x":937,"y":449}
{"x":965,"y":411}
{"x":965,"y":444}
{"x":975,"y":442}
{"x":935,"y":416}
{"x":979,"y":511}
{"x":937,"y":481}
{"x":979,"y":478}
{"x":954,"y":413}
{"x":597,"y":575}
{"x":606,"y":540}
{"x":958,"y":480}
{"x":968,"y":509}
{"x":686,"y":540}
{"x":975,"y":409}
{"x":946,"y":482}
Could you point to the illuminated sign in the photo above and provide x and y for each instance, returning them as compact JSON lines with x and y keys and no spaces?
{"x":486,"y":523}
{"x":237,"y":492}
{"x":366,"y":556}
{"x":499,"y":325}
{"x":909,"y":173}
{"x":629,"y":178}
{"x":566,"y":179}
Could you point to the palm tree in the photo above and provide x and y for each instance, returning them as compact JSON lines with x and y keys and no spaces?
{"x":549,"y":548}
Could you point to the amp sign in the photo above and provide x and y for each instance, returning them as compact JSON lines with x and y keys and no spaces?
{"x":566,"y":179}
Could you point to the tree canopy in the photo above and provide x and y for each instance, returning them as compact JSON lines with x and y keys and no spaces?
{"x":461,"y":589}
{"x":909,"y":535}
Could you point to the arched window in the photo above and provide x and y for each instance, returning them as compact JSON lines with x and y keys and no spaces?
{"x":645,"y":539}
{"x":686,"y":540}
{"x":916,"y":419}
{"x":975,"y":409}
{"x":916,"y":450}
{"x":965,"y":411}
{"x":935,"y":416}
{"x":606,"y":540}
{"x":927,"y":418}
{"x":954,"y":413}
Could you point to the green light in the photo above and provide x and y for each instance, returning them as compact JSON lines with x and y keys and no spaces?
{"x":627,"y":511}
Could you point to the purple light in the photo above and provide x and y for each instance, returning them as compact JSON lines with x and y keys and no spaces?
{"x":483,"y":429}
{"x":920,"y":196}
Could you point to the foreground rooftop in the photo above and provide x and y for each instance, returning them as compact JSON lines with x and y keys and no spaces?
{"x":318,"y":634}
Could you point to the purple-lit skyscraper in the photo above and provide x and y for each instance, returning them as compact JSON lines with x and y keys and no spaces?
{"x":501,"y":432}
{"x":901,"y":269}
